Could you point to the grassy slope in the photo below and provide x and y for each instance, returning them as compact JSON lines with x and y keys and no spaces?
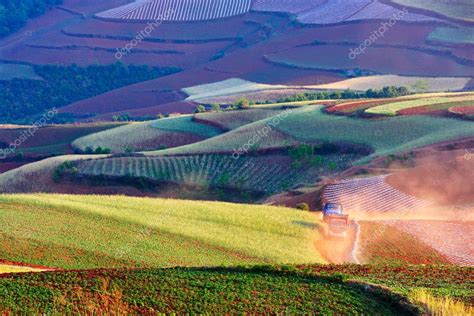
{"x":216,"y":291}
{"x":55,"y":230}
{"x":386,"y":136}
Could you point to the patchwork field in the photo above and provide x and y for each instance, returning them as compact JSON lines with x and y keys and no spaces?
{"x":132,"y":232}
{"x":395,"y":107}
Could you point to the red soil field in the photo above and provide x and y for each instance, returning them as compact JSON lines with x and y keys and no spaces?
{"x":61,"y":40}
{"x":203,"y":31}
{"x":453,"y":239}
{"x":401,"y":62}
{"x":380,"y":242}
{"x":436,"y":109}
{"x":403,"y":34}
{"x":86,"y":56}
{"x":134,"y":97}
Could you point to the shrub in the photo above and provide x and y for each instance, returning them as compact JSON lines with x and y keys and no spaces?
{"x":200,"y":109}
{"x":303,"y":206}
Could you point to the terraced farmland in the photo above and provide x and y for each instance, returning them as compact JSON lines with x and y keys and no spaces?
{"x":373,"y":194}
{"x":263,"y":175}
{"x":177,"y":10}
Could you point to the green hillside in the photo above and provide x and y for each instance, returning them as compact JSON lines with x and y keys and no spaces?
{"x":56,"y":231}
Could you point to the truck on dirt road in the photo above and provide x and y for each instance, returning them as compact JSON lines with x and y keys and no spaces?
{"x":337,"y":222}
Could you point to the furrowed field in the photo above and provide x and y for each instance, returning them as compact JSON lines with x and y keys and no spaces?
{"x":55,"y":231}
{"x":260,"y":175}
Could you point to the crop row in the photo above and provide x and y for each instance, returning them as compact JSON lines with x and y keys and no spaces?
{"x":245,"y":173}
{"x":178,"y":10}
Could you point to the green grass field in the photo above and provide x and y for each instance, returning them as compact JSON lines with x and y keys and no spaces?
{"x":458,"y":35}
{"x":74,"y":232}
{"x":394,"y":107}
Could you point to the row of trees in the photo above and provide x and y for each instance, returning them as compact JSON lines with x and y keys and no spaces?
{"x":15,"y":13}
{"x":385,"y":92}
{"x":24,"y":98}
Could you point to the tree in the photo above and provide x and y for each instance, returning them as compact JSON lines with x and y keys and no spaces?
{"x":216,"y":107}
{"x":200,"y":109}
{"x":242,"y":103}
